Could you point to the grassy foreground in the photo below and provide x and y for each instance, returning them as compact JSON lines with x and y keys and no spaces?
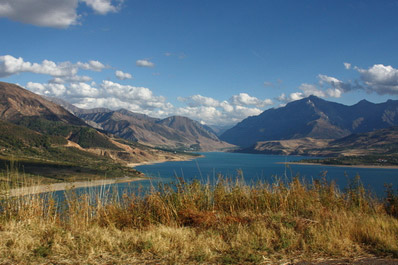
{"x":229,"y":222}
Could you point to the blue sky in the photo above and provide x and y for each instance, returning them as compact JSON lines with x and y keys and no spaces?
{"x":214,"y":61}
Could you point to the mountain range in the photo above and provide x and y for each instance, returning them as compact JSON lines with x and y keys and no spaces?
{"x":52,"y":130}
{"x":175,"y":132}
{"x":314,"y":118}
{"x":49,"y":140}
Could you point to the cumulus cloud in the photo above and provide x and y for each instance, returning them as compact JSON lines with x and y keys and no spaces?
{"x":51,"y":89}
{"x":380,"y":78}
{"x":291,"y":97}
{"x":72,"y":79}
{"x":141,"y":95}
{"x":122,"y":75}
{"x":198,"y":100}
{"x":62,"y":72}
{"x":212,"y":111}
{"x":107,"y":94}
{"x":52,"y":13}
{"x":103,"y":6}
{"x":47,"y":13}
{"x":327,"y":87}
{"x":243,"y":99}
{"x":91,"y":65}
{"x":144,"y":63}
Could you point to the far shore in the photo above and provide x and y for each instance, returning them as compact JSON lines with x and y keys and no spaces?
{"x":31,"y":190}
{"x":331,"y":165}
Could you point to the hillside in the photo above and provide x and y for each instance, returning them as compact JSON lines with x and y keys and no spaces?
{"x":44,"y":138}
{"x":315,"y":118}
{"x":382,"y":142}
{"x":176,"y":132}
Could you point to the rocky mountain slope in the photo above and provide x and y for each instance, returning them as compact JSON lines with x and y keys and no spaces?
{"x":174,"y":132}
{"x":315,"y":118}
{"x":39,"y":131}
{"x":378,"y":142}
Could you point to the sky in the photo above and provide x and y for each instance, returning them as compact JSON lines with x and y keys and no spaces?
{"x":217,"y":62}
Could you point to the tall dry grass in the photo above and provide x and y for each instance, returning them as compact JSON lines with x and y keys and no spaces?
{"x":229,"y":222}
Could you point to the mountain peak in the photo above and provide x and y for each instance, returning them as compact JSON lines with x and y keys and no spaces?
{"x":364,"y":101}
{"x":312,"y":117}
{"x":17,"y":103}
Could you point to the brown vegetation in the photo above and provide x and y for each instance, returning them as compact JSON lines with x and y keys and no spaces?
{"x":228,"y":222}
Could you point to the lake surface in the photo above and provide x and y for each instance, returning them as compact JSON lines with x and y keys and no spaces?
{"x":255,"y":167}
{"x":265,"y":167}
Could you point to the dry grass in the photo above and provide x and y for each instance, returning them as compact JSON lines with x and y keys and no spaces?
{"x":229,"y":222}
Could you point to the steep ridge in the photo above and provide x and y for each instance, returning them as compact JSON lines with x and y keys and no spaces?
{"x":35,"y":129}
{"x":315,"y":118}
{"x":174,"y":132}
{"x":17,"y":103}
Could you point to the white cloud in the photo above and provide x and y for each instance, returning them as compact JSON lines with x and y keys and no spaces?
{"x":310,"y":89}
{"x":72,"y":79}
{"x":52,"y":90}
{"x":326,"y":87}
{"x":122,"y":75}
{"x":380,"y":79}
{"x":63,"y":72}
{"x":347,"y":66}
{"x":291,"y":97}
{"x":47,"y":13}
{"x":82,"y":90}
{"x":213,"y":111}
{"x":52,"y":13}
{"x":144,"y":63}
{"x":107,"y":94}
{"x":103,"y":6}
{"x":10,"y":65}
{"x":91,"y":65}
{"x":243,"y":99}
{"x":198,"y":100}
{"x":141,"y":96}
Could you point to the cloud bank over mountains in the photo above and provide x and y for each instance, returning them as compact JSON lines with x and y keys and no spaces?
{"x":66,"y":82}
{"x":379,"y":78}
{"x":54,"y":13}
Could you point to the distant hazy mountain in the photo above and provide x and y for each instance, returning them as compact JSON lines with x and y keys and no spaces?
{"x":313,"y":117}
{"x":173,"y":132}
{"x":219,"y":129}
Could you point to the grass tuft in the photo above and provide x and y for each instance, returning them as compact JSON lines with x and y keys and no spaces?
{"x":229,"y":222}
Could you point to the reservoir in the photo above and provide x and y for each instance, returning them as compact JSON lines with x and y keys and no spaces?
{"x":265,"y":168}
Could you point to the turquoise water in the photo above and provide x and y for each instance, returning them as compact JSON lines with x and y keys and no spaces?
{"x":254,"y":167}
{"x":265,"y":167}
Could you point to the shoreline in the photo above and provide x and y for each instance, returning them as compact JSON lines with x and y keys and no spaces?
{"x":38,"y":189}
{"x":331,"y":165}
{"x":145,"y":163}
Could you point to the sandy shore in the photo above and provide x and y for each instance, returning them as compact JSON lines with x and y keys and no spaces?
{"x":163,"y":161}
{"x":83,"y":184}
{"x":355,"y":166}
{"x":69,"y":185}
